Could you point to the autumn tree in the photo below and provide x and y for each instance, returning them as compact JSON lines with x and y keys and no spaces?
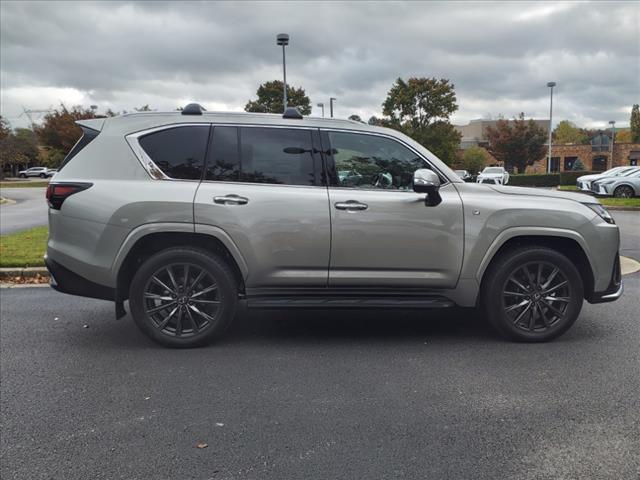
{"x":270,"y":99}
{"x":623,"y":136}
{"x":17,"y":148}
{"x":421,"y":108}
{"x":59,"y":130}
{"x":518,"y":143}
{"x":567,"y":132}
{"x":635,"y":123}
{"x":474,"y":159}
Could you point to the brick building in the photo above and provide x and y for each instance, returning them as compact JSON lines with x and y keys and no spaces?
{"x":596,"y":156}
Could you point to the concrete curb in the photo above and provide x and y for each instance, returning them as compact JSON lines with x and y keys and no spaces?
{"x":621,"y":208}
{"x":26,"y":272}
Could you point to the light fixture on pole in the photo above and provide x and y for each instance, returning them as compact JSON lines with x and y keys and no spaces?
{"x":321,"y":105}
{"x":550,"y":85}
{"x":331,"y":100}
{"x":283,"y":39}
{"x":613,"y":139}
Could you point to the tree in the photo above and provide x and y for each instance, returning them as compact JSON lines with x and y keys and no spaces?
{"x":474,"y":159}
{"x":59,"y":130}
{"x":420,"y":108}
{"x":518,"y":143}
{"x":578,"y":166}
{"x":143,"y":108}
{"x":623,"y":136}
{"x":567,"y":132}
{"x":635,"y":123}
{"x":355,"y":118}
{"x":270,"y":99}
{"x":16,"y":148}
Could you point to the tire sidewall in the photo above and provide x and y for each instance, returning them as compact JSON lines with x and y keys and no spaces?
{"x":493,"y":299}
{"x":214,"y":265}
{"x":618,"y":191}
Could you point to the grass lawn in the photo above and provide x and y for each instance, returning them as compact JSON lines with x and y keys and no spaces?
{"x":571,"y":188}
{"x":620,"y":202}
{"x":24,"y":249}
{"x":42,"y":183}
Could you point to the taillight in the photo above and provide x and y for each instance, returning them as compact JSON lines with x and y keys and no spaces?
{"x":57,"y":193}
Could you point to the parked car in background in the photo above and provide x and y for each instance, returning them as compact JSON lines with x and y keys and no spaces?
{"x":622,"y":186}
{"x":464,"y":175}
{"x":584,"y":182}
{"x":191,"y":213}
{"x":42,"y":172}
{"x":495,"y":175}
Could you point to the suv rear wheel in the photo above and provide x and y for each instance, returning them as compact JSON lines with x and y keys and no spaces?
{"x":532,"y":294}
{"x":183,"y":297}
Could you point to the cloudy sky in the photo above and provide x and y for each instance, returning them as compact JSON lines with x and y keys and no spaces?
{"x":499,"y":56}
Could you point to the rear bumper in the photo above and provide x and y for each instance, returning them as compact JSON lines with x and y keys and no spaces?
{"x":65,"y":281}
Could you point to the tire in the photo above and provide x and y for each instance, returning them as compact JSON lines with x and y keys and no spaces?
{"x":42,"y":175}
{"x":624,"y":191}
{"x":22,"y":175}
{"x":510,"y":298}
{"x":173,"y":326}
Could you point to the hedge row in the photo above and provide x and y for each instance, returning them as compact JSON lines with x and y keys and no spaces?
{"x":546,"y":179}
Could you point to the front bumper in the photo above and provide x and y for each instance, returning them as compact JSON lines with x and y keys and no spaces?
{"x":614,"y":290}
{"x":599,"y":189}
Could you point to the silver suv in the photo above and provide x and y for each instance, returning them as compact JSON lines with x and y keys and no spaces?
{"x":186,"y":214}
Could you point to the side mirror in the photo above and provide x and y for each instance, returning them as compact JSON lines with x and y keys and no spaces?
{"x":427,"y":181}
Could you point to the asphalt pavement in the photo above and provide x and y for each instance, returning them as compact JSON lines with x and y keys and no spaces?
{"x":30,"y":209}
{"x":306,"y":395}
{"x":629,"y":223}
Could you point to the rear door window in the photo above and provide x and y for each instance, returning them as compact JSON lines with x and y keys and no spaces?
{"x":262,"y":155}
{"x":179,"y":152}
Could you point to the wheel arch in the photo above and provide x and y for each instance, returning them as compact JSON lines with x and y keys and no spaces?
{"x":150,"y":239}
{"x":569,"y":243}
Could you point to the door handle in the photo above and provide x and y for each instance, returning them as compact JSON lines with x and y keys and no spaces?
{"x":351,"y":205}
{"x":231,"y":200}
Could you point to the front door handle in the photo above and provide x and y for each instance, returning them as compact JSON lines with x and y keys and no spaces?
{"x":351,"y":205}
{"x":231,"y":200}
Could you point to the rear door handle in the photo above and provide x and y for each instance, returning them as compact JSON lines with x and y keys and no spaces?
{"x":231,"y":200}
{"x":351,"y":205}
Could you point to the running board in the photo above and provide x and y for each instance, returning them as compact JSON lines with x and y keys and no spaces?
{"x":348,"y":302}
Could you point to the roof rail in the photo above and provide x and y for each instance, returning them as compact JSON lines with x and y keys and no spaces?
{"x":292,"y":112}
{"x":193,"y":109}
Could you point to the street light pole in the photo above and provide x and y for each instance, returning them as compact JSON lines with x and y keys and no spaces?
{"x":613,"y":139}
{"x":321,"y":105}
{"x":550,"y":85}
{"x":331,"y":100}
{"x":283,"y":39}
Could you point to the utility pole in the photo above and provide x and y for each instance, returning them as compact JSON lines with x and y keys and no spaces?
{"x":613,"y":139}
{"x":321,"y":105}
{"x":29,"y":112}
{"x":550,"y":85}
{"x":331,"y":100}
{"x":283,"y":39}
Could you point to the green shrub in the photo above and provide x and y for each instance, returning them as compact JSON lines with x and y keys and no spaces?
{"x":535,"y":180}
{"x":570,"y":177}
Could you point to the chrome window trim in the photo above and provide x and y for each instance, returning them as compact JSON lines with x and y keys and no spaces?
{"x":157,"y":174}
{"x":400,"y":141}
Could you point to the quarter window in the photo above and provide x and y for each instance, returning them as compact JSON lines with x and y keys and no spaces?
{"x":369,"y":161}
{"x":179,"y":152}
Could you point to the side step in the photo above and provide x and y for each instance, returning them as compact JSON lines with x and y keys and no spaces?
{"x":347,"y":302}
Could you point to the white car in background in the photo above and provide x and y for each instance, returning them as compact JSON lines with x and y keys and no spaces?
{"x":494,"y":175}
{"x":584,"y":182}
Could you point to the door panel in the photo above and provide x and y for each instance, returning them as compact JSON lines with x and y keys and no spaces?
{"x":264,"y":189}
{"x":282,"y":231}
{"x":383,"y":235}
{"x":396,"y":241}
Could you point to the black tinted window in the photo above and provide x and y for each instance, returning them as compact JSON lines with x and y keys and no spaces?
{"x":369,"y":161}
{"x":277,"y":155}
{"x":179,"y":152}
{"x":224,"y":155}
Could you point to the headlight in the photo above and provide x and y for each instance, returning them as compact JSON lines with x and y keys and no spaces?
{"x":602,"y":212}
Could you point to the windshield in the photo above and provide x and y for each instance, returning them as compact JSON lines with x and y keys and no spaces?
{"x":629,"y":172}
{"x":614,"y":172}
{"x":492,"y":170}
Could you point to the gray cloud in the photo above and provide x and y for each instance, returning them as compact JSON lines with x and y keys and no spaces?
{"x":498,"y":55}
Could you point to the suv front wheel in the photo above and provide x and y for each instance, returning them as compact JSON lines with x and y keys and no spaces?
{"x":532,"y":294}
{"x":183,"y":297}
